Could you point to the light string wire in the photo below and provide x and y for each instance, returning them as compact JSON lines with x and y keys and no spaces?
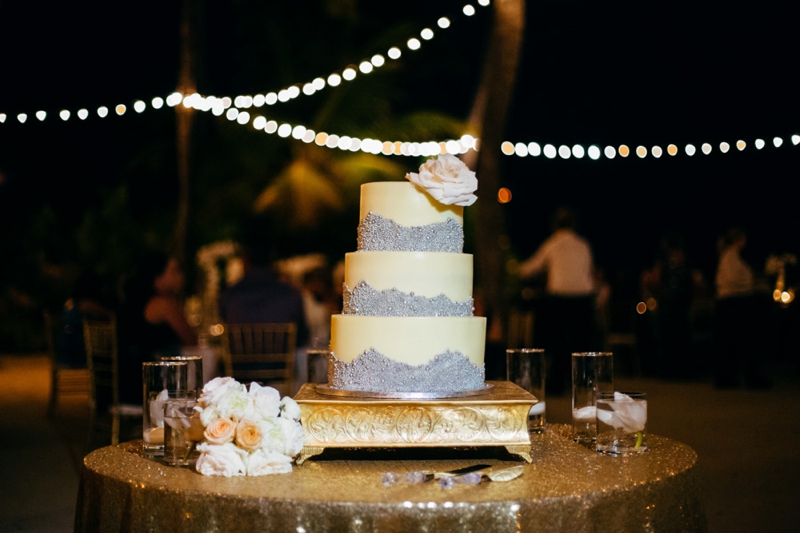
{"x":236,"y":109}
{"x":218,"y":105}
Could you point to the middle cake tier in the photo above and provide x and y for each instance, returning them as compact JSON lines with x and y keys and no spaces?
{"x":425,"y":274}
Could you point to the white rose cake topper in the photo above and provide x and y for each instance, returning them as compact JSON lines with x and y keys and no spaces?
{"x":447,"y":179}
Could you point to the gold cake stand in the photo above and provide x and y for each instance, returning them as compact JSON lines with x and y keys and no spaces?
{"x":499,"y":417}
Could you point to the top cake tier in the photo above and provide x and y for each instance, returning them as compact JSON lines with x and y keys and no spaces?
{"x":397,"y":216}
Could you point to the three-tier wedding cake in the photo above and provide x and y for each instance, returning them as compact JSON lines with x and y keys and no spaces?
{"x":407,"y":322}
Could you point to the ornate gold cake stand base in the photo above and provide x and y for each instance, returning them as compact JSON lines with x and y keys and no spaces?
{"x":497,"y":418}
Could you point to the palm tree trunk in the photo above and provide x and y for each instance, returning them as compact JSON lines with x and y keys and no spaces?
{"x":488,"y":121}
{"x":187,"y":84}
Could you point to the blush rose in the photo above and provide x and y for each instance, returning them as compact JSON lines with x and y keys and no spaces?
{"x":248,"y":435}
{"x":220,"y":431}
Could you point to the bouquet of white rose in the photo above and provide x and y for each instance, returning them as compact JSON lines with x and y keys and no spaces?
{"x":251,"y":433}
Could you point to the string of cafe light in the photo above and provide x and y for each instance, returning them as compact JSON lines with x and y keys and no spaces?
{"x":595,"y":152}
{"x":240,"y":115}
{"x":468,"y":142}
{"x":236,"y":108}
{"x":219,"y":105}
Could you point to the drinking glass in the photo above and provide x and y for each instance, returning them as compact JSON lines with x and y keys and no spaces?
{"x":525,"y":367}
{"x":621,"y":423}
{"x":194,"y":372}
{"x":161,"y":380}
{"x":181,"y":423}
{"x":592,"y":373}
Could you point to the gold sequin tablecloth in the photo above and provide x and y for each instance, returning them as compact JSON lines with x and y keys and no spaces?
{"x":567,"y":488}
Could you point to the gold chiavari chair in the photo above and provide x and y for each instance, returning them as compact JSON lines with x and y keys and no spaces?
{"x":263,"y":353}
{"x":64,"y":380}
{"x":102,"y":356}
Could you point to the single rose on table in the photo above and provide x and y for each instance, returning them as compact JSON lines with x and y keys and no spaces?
{"x":626,"y":413}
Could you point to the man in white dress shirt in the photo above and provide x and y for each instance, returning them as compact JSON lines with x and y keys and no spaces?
{"x":739,"y":317}
{"x":566,"y":320}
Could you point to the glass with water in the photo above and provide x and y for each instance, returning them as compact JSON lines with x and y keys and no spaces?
{"x":180,"y":431}
{"x":592,"y":373}
{"x":162,"y":380}
{"x":621,"y":423}
{"x":525,"y":367}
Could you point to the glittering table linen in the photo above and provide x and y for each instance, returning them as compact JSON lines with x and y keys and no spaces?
{"x":567,"y":488}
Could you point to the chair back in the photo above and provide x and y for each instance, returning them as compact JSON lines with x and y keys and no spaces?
{"x":64,"y":380}
{"x":52,"y":328}
{"x":100,"y":338}
{"x":263,"y":353}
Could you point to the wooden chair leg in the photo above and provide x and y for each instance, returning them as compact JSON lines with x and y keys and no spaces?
{"x":91,"y":432}
{"x":51,"y":404}
{"x":115,"y":429}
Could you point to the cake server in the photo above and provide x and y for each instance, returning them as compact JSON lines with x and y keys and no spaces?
{"x":473,"y":478}
{"x":460,"y":471}
{"x":421,"y":476}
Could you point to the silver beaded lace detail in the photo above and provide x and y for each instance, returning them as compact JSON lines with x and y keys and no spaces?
{"x":378,"y":234}
{"x":371,"y":371}
{"x":364,"y":300}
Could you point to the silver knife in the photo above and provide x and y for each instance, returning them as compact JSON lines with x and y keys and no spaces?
{"x":421,"y":476}
{"x":460,"y":471}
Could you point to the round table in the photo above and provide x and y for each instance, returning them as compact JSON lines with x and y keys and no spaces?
{"x":568,"y":487}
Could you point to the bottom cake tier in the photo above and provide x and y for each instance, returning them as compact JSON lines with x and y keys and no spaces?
{"x":407,"y":354}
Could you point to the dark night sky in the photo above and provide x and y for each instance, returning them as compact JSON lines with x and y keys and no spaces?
{"x":604,"y":73}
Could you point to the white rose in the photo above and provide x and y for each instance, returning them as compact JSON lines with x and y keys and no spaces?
{"x":290,"y":409}
{"x":293,"y":436}
{"x":226,"y":460}
{"x":267,"y":400}
{"x":208,"y":415}
{"x":262,"y":463}
{"x":272,"y":432}
{"x":234,"y":404}
{"x":216,"y":388}
{"x":447,"y":179}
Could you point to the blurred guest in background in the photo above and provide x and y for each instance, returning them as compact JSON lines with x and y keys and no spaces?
{"x":671,"y":283}
{"x":738,"y":314}
{"x":151,"y":321}
{"x":566,"y":322}
{"x":89,"y":299}
{"x":260,"y":297}
{"x":319,"y":303}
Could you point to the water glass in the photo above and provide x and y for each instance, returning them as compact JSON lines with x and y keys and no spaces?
{"x":621,"y":423}
{"x":525,"y":367}
{"x":161,"y":380}
{"x":592,"y":373}
{"x":182,"y":430}
{"x":194,"y":372}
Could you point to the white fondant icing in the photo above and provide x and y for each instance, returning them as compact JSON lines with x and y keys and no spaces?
{"x":406,"y":204}
{"x":426,"y":274}
{"x":411,"y":340}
